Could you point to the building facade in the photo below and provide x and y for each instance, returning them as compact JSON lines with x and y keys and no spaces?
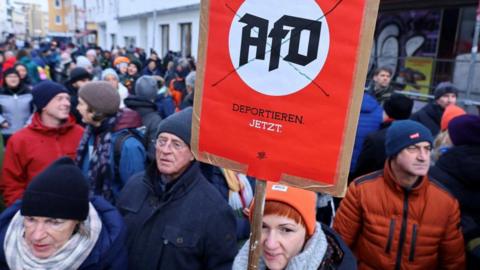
{"x":157,"y":25}
{"x":5,"y":19}
{"x":423,"y":42}
{"x":59,"y":18}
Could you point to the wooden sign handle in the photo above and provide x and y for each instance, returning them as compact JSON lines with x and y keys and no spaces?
{"x":256,"y":228}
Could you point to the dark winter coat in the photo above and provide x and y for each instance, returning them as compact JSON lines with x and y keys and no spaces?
{"x":187,"y":226}
{"x":458,"y":169}
{"x":150,"y":119}
{"x":371,"y":116}
{"x":381,"y":94}
{"x":109,"y":253}
{"x":73,"y":92}
{"x":214,"y":175}
{"x":372,"y":156}
{"x":430,"y":116}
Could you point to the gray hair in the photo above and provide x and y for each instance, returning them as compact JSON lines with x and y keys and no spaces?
{"x":190,"y":79}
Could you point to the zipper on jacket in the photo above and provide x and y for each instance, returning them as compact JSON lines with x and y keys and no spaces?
{"x":390,"y":235}
{"x":414,"y":240}
{"x":403,"y":231}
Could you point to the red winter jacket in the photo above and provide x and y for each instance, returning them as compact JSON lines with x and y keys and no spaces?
{"x":388,"y":227}
{"x":33,"y":148}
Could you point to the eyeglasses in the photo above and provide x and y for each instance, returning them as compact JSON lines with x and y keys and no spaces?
{"x":172,"y":144}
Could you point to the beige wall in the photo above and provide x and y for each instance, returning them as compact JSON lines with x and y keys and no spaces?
{"x":53,"y":12}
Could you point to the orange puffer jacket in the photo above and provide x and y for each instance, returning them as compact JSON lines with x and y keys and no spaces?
{"x":388,"y":227}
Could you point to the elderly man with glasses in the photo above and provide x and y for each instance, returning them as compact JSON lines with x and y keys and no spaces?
{"x":176,"y":219}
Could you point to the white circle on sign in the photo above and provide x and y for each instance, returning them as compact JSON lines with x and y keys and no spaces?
{"x":288,"y":76}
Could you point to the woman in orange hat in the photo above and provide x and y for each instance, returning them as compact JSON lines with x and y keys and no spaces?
{"x":291,"y":237}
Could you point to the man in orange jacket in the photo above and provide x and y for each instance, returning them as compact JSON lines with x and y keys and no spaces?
{"x":398,"y":218}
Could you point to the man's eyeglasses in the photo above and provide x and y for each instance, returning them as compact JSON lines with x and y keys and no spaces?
{"x":172,"y":144}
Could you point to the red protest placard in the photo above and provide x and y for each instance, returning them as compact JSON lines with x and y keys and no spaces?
{"x":279,"y":85}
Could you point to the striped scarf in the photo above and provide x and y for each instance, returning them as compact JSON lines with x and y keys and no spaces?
{"x":240,"y":193}
{"x":69,"y":257}
{"x":100,"y":172}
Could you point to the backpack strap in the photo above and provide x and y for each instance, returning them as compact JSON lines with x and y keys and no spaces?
{"x":117,"y":148}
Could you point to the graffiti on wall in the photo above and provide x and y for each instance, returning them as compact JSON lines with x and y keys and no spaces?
{"x":401,"y":36}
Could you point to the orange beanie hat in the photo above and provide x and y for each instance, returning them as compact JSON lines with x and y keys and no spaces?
{"x":304,"y":201}
{"x":450,"y":112}
{"x":120,"y":59}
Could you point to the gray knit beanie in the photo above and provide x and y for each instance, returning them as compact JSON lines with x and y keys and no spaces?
{"x":178,"y":124}
{"x":101,"y":97}
{"x":445,"y":88}
{"x":146,"y":86}
{"x":109,"y":71}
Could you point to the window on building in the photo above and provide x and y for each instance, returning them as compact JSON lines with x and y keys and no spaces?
{"x":130,"y":42}
{"x":113,"y":38}
{"x":58,"y":3}
{"x":165,"y":38}
{"x":58,"y":19}
{"x":186,"y":39}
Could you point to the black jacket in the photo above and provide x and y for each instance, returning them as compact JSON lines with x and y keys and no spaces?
{"x":372,"y":156}
{"x":430,"y":116}
{"x":150,"y":119}
{"x":459,"y":170}
{"x":187,"y":226}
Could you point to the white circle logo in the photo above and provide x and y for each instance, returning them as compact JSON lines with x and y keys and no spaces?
{"x":279,"y":46}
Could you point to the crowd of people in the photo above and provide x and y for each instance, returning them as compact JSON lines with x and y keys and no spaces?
{"x":98,"y":173}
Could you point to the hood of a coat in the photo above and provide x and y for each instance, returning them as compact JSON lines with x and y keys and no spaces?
{"x":140,"y":104}
{"x":128,"y":119}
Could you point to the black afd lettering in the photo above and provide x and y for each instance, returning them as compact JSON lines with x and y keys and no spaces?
{"x":277,"y":34}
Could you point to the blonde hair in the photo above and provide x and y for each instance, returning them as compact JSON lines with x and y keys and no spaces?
{"x":440,"y":144}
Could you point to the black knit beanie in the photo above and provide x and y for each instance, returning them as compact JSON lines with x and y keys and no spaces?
{"x":60,"y":191}
{"x":44,"y":92}
{"x":101,"y":97}
{"x":79,"y":73}
{"x":178,"y":124}
{"x":9,"y":71}
{"x":398,"y":107}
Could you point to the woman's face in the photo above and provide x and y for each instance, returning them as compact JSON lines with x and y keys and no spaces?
{"x":22,"y":71}
{"x":45,"y":236}
{"x":152,"y":65}
{"x":12,"y":80}
{"x":282,"y":239}
{"x":132,"y":69}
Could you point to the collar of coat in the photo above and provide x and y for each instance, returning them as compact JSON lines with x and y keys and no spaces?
{"x":37,"y":125}
{"x":419,"y":188}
